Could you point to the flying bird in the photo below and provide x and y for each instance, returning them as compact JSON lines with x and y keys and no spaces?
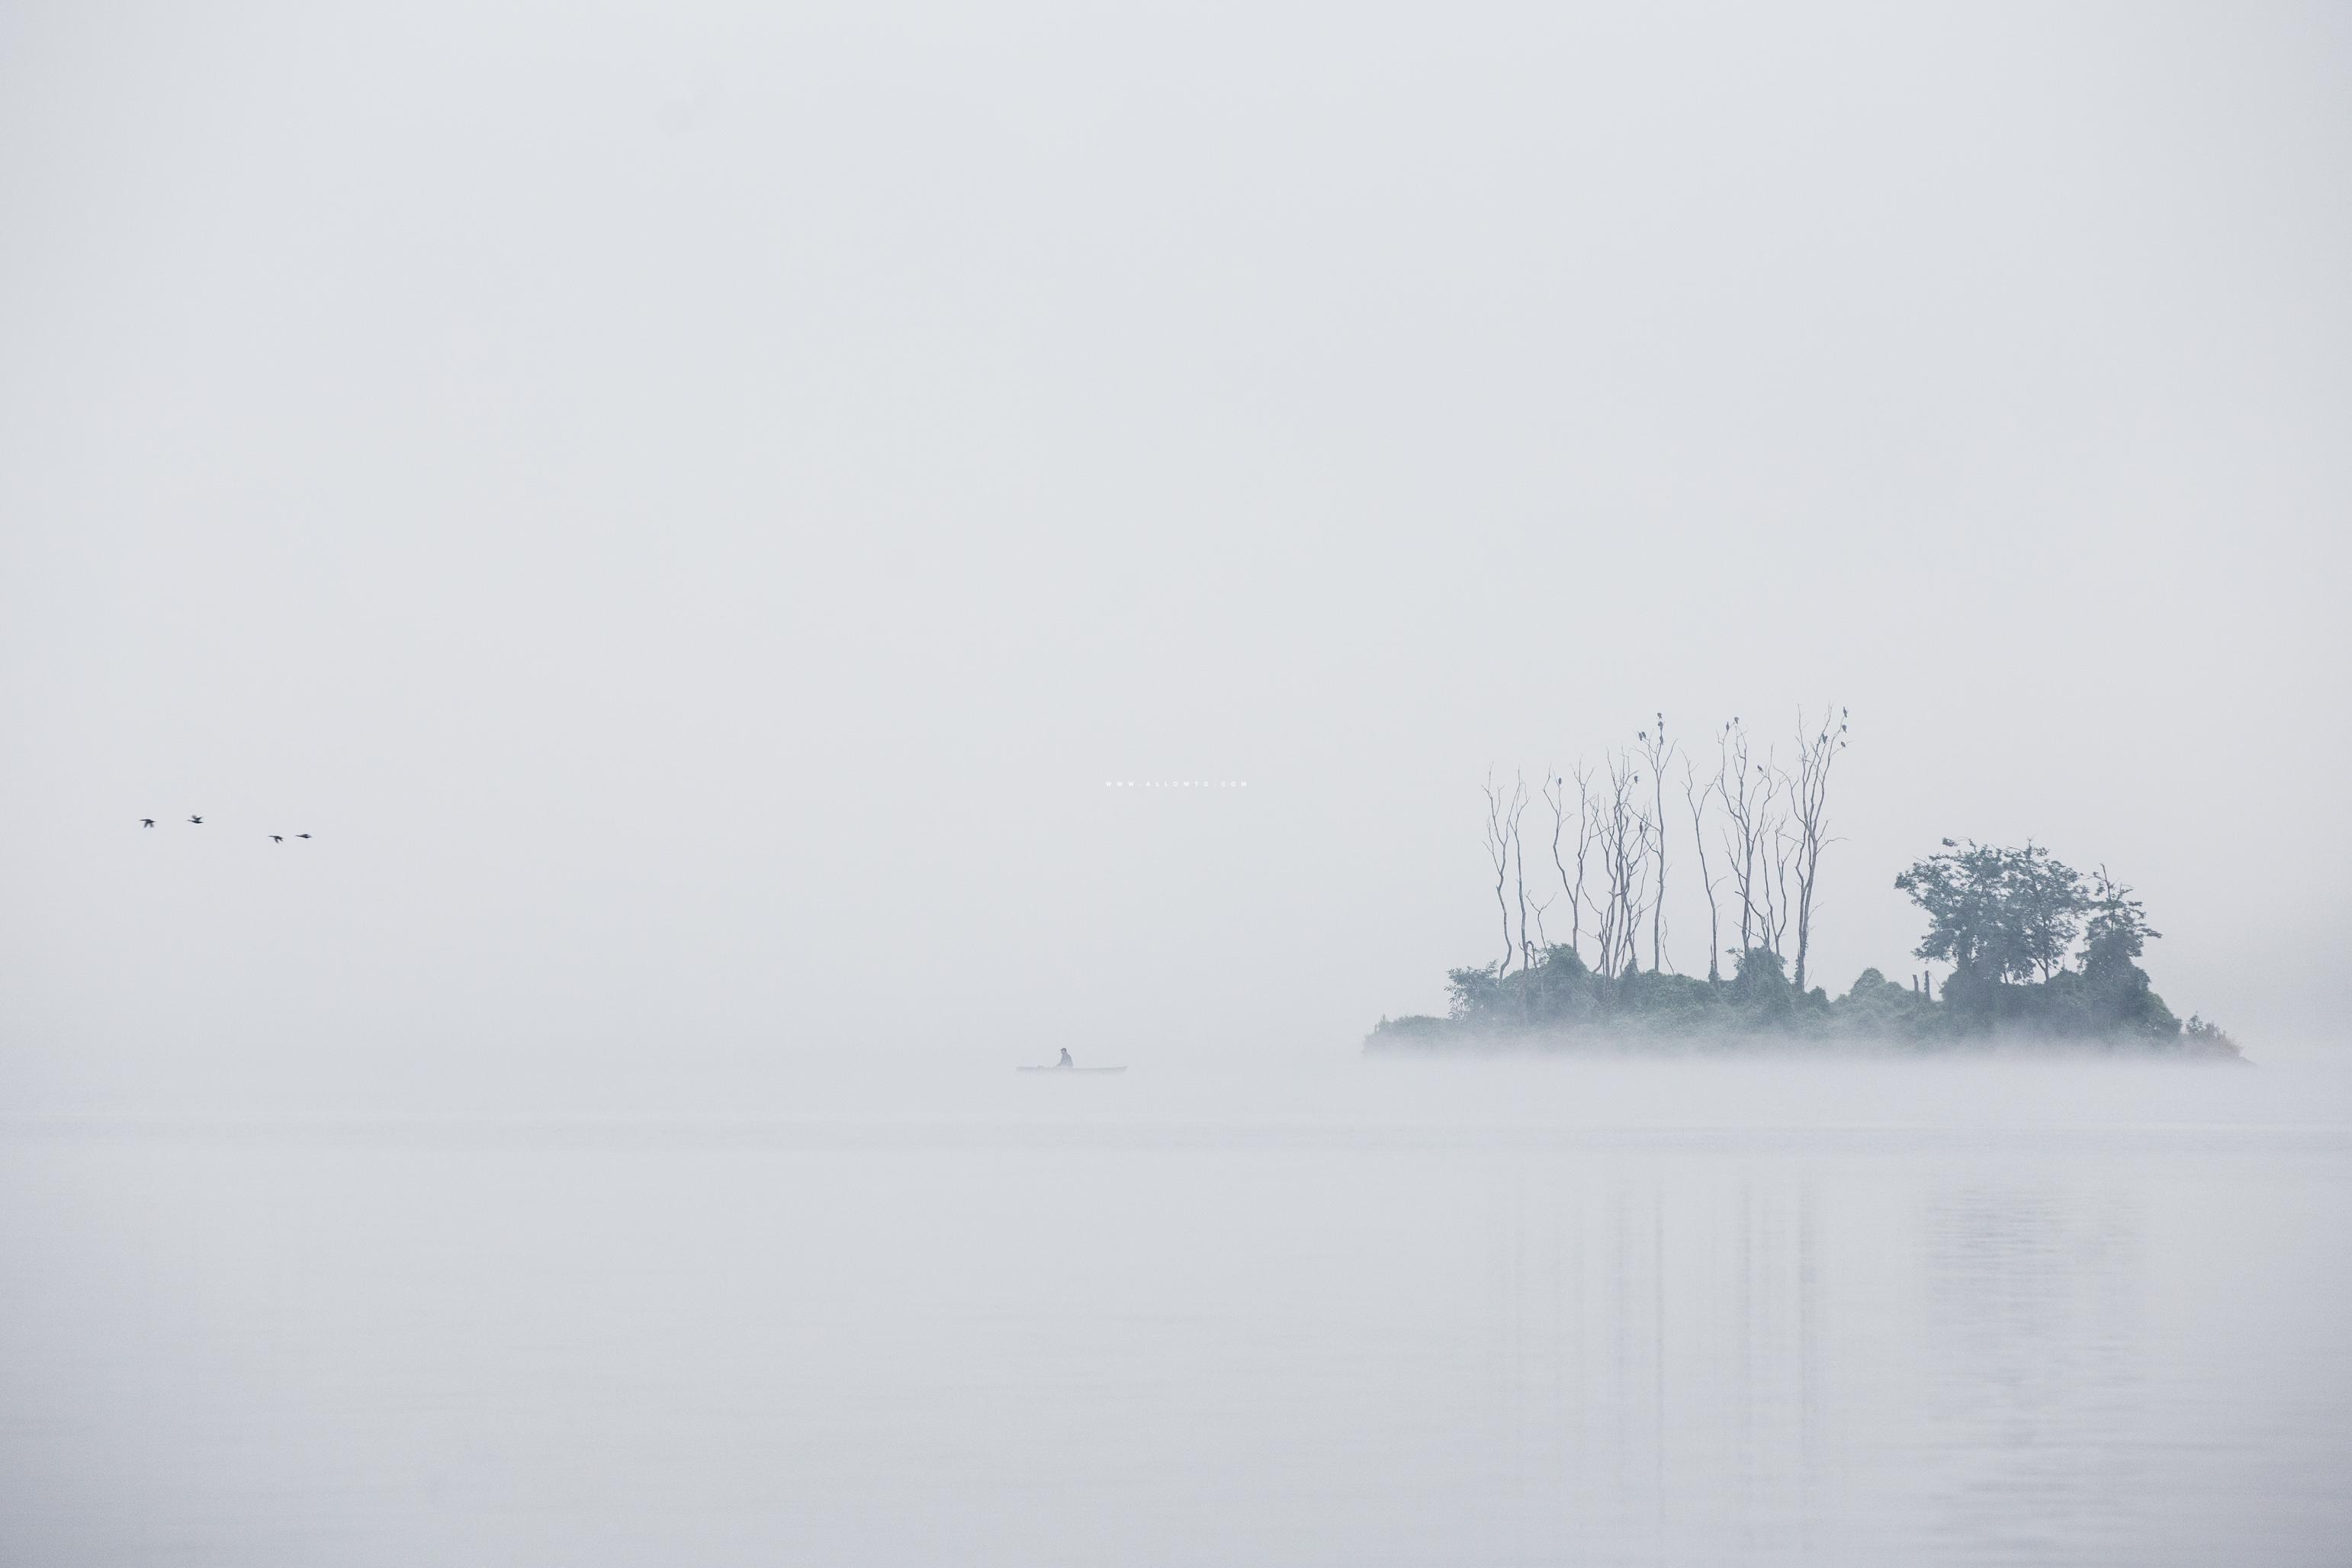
{"x":146,"y":822}
{"x":196,"y":819}
{"x":278,"y":839}
{"x":301,"y":835}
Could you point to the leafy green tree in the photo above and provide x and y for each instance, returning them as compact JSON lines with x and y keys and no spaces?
{"x":1997,"y":914}
{"x":2117,"y":930}
{"x":1878,"y":1008}
{"x":2113,"y":991}
{"x":1759,"y":985}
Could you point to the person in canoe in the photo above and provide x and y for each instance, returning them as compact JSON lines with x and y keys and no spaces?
{"x":1065,"y":1061}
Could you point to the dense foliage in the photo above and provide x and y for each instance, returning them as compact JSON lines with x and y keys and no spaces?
{"x":2038,"y":953}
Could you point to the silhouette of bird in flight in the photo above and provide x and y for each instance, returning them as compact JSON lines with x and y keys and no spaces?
{"x":301,"y":835}
{"x":278,"y":839}
{"x":146,"y":822}
{"x":196,"y":819}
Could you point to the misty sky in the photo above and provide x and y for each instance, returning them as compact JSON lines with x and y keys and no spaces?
{"x":690,"y":506}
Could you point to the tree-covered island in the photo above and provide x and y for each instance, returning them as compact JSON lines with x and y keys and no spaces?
{"x":2037,"y":954}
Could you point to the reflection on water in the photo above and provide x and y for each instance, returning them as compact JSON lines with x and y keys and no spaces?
{"x":1288,"y":1347}
{"x":2035,"y":1391}
{"x":1656,"y":1365}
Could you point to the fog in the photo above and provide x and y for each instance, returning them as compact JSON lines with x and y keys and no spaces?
{"x":791,"y":560}
{"x":691,"y":509}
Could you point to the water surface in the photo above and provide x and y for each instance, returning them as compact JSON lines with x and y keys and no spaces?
{"x":1339,"y":1313}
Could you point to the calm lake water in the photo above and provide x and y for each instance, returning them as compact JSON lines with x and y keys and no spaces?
{"x":1343,"y":1313}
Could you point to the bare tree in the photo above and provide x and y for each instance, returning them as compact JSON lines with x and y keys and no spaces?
{"x":1778,"y":844}
{"x":1809,"y":809}
{"x":1555,"y":793}
{"x":1587,"y":832}
{"x":1609,"y":836}
{"x":1657,"y":750}
{"x":1695,"y":796}
{"x":1745,"y":788}
{"x":1649,"y":892}
{"x":1519,"y":870}
{"x":1625,"y":843}
{"x":1501,"y":812}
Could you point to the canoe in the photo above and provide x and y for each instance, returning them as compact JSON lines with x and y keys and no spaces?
{"x":1070,"y":1069}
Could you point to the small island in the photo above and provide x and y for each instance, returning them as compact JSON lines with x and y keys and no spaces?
{"x":2040,"y":956}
